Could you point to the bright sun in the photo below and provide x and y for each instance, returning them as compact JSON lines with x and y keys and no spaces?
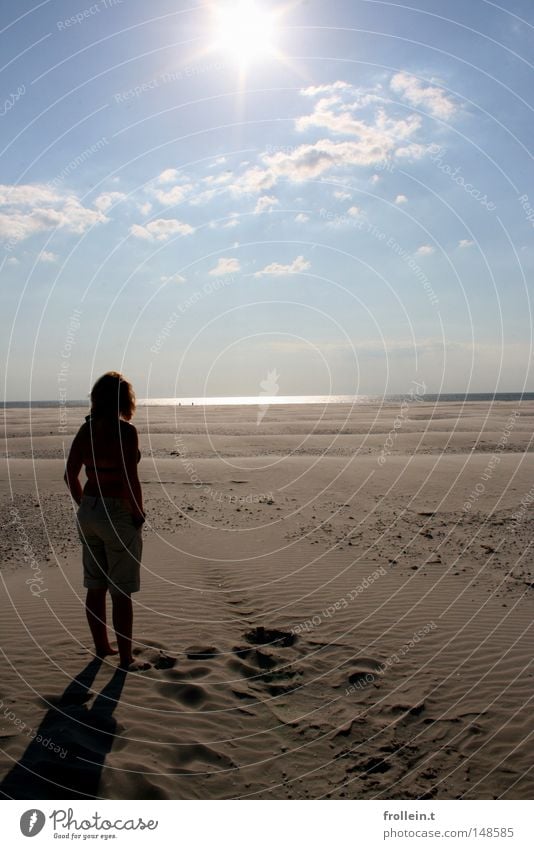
{"x":244,"y":31}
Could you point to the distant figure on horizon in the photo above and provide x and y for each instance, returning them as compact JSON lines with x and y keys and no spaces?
{"x":110,"y":514}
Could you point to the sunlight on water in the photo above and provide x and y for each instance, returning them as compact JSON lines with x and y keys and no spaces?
{"x":269,"y":400}
{"x":259,"y":399}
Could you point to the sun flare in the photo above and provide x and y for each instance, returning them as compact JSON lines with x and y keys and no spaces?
{"x":243,"y":31}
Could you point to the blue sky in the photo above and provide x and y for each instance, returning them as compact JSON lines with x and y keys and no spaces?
{"x":353,"y":210}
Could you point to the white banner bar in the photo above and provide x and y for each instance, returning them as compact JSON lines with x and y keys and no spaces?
{"x":264,"y":824}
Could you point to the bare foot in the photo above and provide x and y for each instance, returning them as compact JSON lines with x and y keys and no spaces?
{"x":104,"y":652}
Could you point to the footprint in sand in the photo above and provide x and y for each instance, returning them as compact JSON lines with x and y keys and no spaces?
{"x":191,"y":674}
{"x":270,"y":637}
{"x":164,"y":661}
{"x":203,"y":754}
{"x":364,"y":671}
{"x":242,"y":668}
{"x":371,"y":767}
{"x":201,"y":653}
{"x":262,"y":668}
{"x":190,"y":695}
{"x":154,"y":654}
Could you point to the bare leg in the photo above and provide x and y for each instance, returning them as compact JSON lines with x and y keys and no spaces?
{"x":95,"y":608}
{"x":123,"y":624}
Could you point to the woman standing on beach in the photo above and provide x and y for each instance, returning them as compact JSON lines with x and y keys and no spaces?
{"x":110,"y":514}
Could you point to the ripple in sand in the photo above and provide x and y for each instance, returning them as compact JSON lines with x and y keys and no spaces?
{"x":189,"y":694}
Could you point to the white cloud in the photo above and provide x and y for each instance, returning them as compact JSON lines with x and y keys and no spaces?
{"x":427,"y":96}
{"x":233,"y":221}
{"x":253,"y":181}
{"x":383,"y":132}
{"x":217,"y":184}
{"x":411,"y":151}
{"x":107,"y":199}
{"x":172,"y":196}
{"x":225,"y":265}
{"x":276,"y":269}
{"x":167,"y":176}
{"x":309,"y":161}
{"x":400,"y":199}
{"x":425,"y":250}
{"x":226,"y":224}
{"x":12,"y":261}
{"x":465,"y":243}
{"x":338,"y":94}
{"x":354,"y":211}
{"x":265,"y":203}
{"x":47,"y":256}
{"x":145,"y":208}
{"x":160,"y":230}
{"x":341,"y":195}
{"x":34,"y":208}
{"x":28,"y":194}
{"x":326,"y":88}
{"x":217,"y":179}
{"x":302,"y":218}
{"x":174,"y":278}
{"x":202,"y":197}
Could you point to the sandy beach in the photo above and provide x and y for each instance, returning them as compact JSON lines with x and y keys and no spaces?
{"x":336,"y":602}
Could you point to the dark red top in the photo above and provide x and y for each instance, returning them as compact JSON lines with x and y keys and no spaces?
{"x":107,"y":448}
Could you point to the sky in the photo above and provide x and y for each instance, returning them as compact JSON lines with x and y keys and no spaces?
{"x":289,"y":198}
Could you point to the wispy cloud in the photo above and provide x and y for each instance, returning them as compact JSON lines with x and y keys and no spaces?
{"x":465,"y":243}
{"x":425,"y":250}
{"x":382,"y":129}
{"x":400,"y":199}
{"x":326,"y":88}
{"x":357,"y":127}
{"x":226,"y":223}
{"x":173,"y":278}
{"x":430,"y":97}
{"x":277,"y":269}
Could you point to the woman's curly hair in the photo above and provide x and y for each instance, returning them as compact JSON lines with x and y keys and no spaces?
{"x":113,"y":395}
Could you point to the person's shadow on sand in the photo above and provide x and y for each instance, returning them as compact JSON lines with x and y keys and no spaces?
{"x":83,"y":736}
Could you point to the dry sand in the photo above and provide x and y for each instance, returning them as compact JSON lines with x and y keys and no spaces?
{"x":328,"y":612}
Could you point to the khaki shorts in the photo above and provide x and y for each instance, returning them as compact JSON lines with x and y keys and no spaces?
{"x":112,"y":545}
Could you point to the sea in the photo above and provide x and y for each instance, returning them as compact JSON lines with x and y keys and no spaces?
{"x":264,"y":400}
